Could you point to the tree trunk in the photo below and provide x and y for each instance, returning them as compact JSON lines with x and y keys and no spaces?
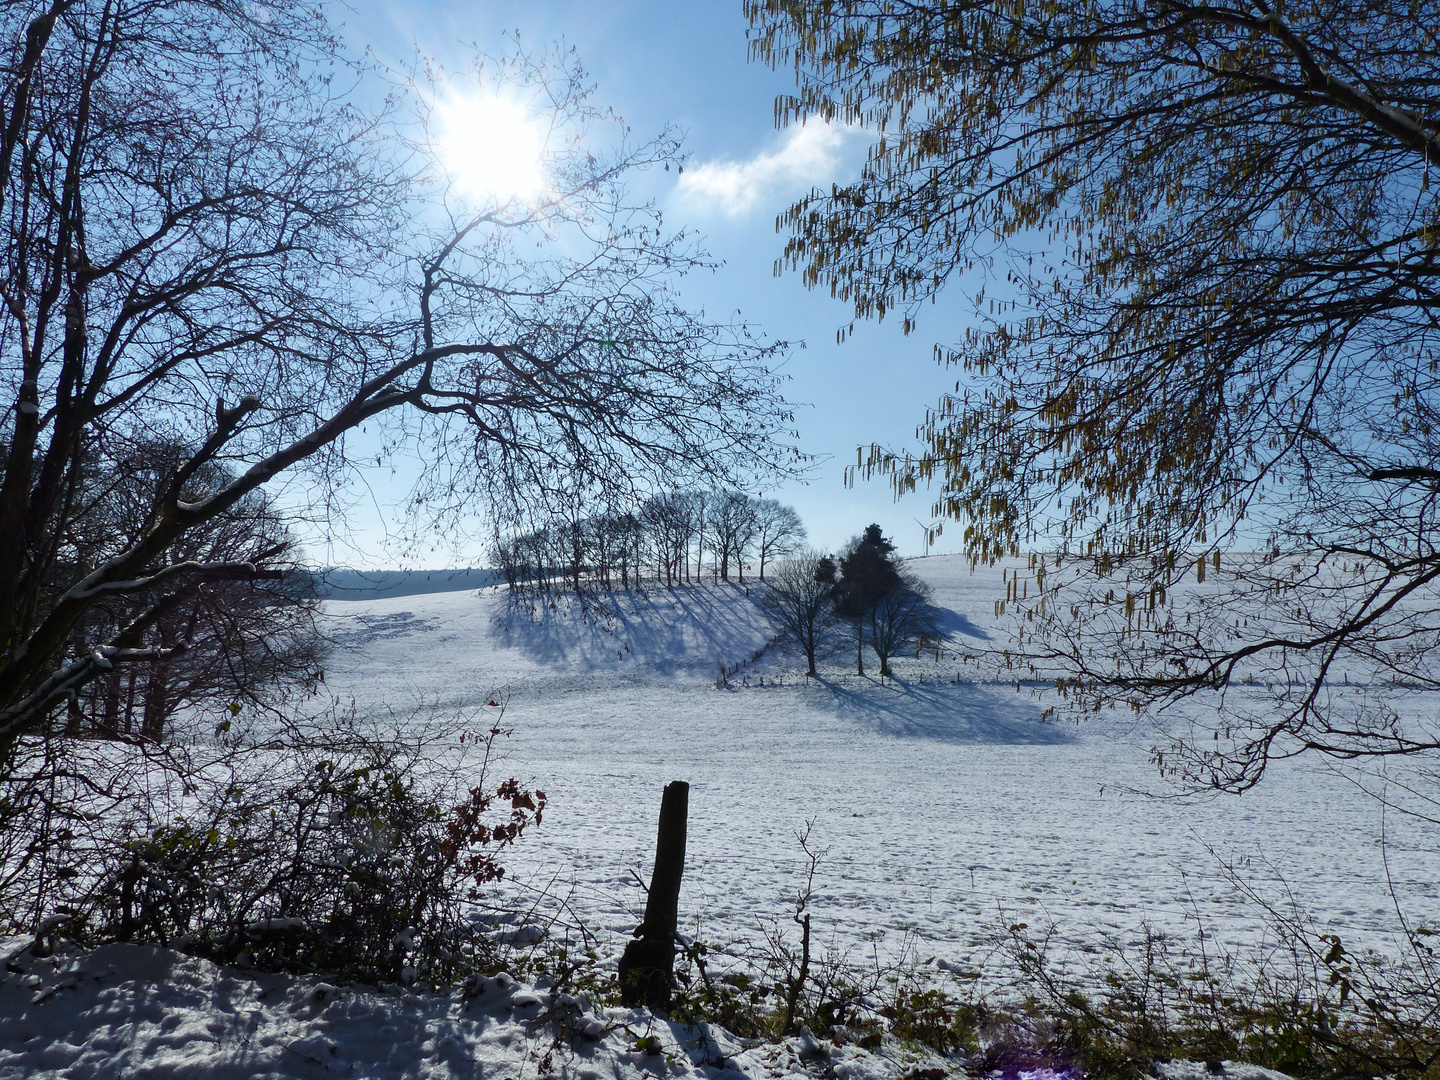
{"x":156,"y":706}
{"x":111,"y":722}
{"x":647,"y":967}
{"x":130,"y":703}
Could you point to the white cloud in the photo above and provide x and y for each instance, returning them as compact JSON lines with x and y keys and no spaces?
{"x":808,"y":156}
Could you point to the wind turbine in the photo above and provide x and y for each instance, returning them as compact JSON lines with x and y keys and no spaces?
{"x":929,"y":531}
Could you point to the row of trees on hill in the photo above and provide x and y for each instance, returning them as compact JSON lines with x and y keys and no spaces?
{"x":813,"y":597}
{"x":669,"y":537}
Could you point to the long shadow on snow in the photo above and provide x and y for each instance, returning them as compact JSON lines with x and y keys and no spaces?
{"x":948,"y":712}
{"x":691,"y":627}
{"x":950,"y":623}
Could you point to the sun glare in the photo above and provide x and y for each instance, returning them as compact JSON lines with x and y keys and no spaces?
{"x":492,"y":148}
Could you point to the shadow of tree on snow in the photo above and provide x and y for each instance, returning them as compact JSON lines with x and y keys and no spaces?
{"x":951,"y":623}
{"x":688,"y":628}
{"x":950,"y":712}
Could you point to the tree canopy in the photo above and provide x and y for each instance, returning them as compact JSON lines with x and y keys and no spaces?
{"x":209,"y":238}
{"x":1203,"y":375}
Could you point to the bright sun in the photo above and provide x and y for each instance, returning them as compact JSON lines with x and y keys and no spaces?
{"x":492,"y":148}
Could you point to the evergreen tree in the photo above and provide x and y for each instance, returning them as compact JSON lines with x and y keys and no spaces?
{"x":867,"y":575}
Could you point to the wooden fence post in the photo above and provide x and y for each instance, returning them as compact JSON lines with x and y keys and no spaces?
{"x":647,"y":967}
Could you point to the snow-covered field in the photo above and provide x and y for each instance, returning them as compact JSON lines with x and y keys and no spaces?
{"x":946,"y":808}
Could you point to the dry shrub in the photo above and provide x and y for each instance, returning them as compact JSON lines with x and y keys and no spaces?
{"x":1304,"y":1005}
{"x":328,"y":848}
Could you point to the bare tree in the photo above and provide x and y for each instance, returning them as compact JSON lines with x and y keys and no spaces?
{"x":667,"y":518}
{"x":799,"y":597}
{"x":203,"y":235}
{"x":732,"y":530}
{"x":699,"y":504}
{"x":574,"y":540}
{"x":900,"y":618}
{"x":608,"y":545}
{"x":778,"y":531}
{"x":244,"y":639}
{"x":628,"y":541}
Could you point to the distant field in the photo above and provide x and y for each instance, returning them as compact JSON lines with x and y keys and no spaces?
{"x":342,"y":584}
{"x":947,"y":807}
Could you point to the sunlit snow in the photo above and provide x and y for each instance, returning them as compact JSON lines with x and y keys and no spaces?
{"x":947,"y":806}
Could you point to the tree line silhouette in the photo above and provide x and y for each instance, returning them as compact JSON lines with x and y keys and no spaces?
{"x":672,"y":537}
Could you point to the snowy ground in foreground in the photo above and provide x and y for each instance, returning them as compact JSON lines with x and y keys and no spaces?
{"x":947,"y":808}
{"x":131,"y":1012}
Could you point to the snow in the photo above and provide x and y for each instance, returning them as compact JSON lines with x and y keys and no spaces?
{"x":944,"y":806}
{"x":1197,"y":1070}
{"x":134,"y":1011}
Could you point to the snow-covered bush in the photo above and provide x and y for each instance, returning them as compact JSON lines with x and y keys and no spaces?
{"x":338,"y":851}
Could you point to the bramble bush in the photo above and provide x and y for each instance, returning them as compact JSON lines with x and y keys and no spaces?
{"x":339,"y":851}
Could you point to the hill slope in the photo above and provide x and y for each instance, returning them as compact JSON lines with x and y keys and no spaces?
{"x":946,"y":804}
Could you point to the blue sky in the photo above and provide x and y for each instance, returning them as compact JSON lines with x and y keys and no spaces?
{"x":686,"y":64}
